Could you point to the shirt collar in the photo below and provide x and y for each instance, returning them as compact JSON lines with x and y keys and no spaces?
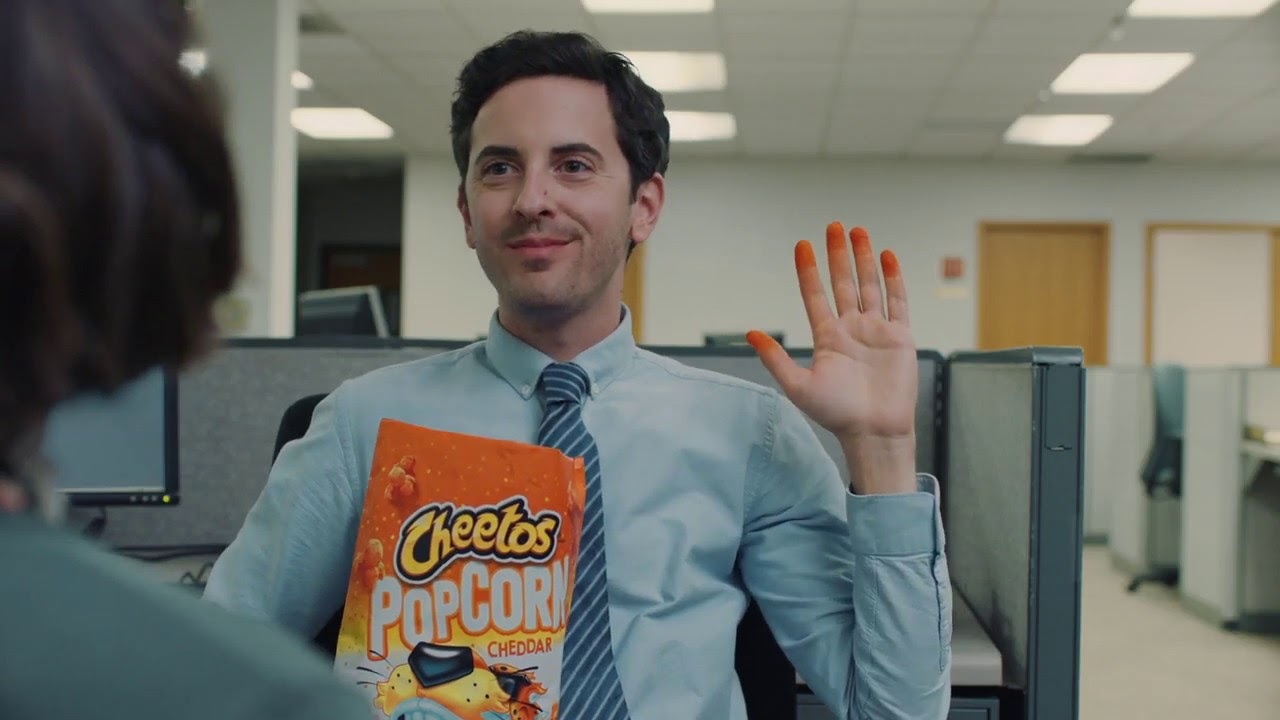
{"x":521,"y":365}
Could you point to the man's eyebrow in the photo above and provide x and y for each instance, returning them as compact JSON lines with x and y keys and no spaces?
{"x":579,"y":147}
{"x":497,"y":151}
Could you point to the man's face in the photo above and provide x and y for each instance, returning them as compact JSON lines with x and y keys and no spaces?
{"x":547,"y":198}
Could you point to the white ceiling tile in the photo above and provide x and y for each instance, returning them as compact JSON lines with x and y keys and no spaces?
{"x":789,"y":124}
{"x":785,"y":36}
{"x":953,"y":143}
{"x":422,"y":31}
{"x":945,"y":34}
{"x":1084,"y":8}
{"x":752,"y":76}
{"x":341,"y":6}
{"x":1086,"y":104}
{"x":900,"y":72}
{"x":873,"y":107}
{"x":1046,"y":34}
{"x":999,"y":73}
{"x":491,"y":27}
{"x":1248,"y":125}
{"x":1172,"y":35}
{"x":953,"y":105}
{"x":429,"y":71}
{"x":658,"y":32}
{"x":330,"y":47}
{"x":932,"y":8}
{"x":868,"y":122}
{"x":506,"y":7}
{"x":738,"y":7}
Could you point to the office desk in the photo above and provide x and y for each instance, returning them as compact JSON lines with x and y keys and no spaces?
{"x":1257,"y":581}
{"x":976,"y":670}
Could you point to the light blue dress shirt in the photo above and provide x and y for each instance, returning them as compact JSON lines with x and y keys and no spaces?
{"x":714,"y":488}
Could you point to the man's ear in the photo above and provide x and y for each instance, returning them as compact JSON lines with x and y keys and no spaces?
{"x":464,"y":209}
{"x":647,"y":206}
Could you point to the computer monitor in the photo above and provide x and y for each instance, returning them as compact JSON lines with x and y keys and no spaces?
{"x":341,"y":312}
{"x":736,"y":339}
{"x":117,"y":449}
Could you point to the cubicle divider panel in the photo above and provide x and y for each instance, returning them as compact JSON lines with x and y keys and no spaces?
{"x":230,"y":408}
{"x":229,"y":411}
{"x":1211,"y":491}
{"x":1262,"y":398}
{"x":1259,"y":535}
{"x":1119,"y":425}
{"x":1014,"y":439}
{"x":1117,"y":439}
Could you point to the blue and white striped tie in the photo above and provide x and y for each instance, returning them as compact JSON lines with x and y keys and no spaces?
{"x":589,"y":688}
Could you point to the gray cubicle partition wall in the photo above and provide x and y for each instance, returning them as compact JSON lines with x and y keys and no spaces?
{"x":1013,"y":512}
{"x":230,"y":407}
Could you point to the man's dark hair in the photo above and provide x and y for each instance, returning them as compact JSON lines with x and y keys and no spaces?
{"x":119,"y":223}
{"x":638,"y":111}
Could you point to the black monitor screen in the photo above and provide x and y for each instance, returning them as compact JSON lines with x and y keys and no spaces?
{"x":346,"y":311}
{"x":117,"y":449}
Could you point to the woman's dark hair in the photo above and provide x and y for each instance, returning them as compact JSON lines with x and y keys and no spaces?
{"x":119,"y":224}
{"x":638,"y":112}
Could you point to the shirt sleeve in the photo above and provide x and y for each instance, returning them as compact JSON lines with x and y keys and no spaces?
{"x":290,"y":561}
{"x":854,"y":587}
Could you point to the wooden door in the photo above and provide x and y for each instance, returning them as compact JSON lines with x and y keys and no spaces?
{"x":633,"y":290}
{"x":1044,"y":284}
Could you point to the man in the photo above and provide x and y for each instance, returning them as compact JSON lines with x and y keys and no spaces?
{"x":119,"y":227}
{"x":711,"y":488}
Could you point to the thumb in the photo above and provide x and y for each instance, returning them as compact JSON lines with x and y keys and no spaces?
{"x":784,"y":369}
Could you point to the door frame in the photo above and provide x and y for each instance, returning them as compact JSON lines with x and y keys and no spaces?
{"x":1149,"y":279}
{"x":1102,"y":227}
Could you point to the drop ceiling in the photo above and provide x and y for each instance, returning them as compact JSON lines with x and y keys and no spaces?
{"x":833,"y":78}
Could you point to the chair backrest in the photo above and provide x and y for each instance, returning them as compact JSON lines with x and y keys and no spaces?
{"x":767,"y":677}
{"x":1168,"y":390}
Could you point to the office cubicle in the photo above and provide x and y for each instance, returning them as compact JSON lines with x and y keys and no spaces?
{"x":981,"y":423}
{"x":1231,"y":498}
{"x":1013,"y":512}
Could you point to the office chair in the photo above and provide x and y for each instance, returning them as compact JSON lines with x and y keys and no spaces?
{"x":1161,"y":474}
{"x":767,"y":677}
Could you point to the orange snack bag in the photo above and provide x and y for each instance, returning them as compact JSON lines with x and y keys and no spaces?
{"x":462,"y":577}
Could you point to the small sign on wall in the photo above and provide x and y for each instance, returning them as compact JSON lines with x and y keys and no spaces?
{"x":952,"y":268}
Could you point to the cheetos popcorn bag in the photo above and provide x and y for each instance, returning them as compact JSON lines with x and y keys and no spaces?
{"x":462,"y":577}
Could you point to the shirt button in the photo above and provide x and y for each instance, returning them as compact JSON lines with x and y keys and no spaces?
{"x":525,"y":389}
{"x":595,"y":389}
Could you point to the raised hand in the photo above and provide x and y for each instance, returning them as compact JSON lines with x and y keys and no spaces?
{"x":863,"y":380}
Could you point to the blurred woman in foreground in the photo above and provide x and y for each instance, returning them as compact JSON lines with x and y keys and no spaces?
{"x":119,"y":227}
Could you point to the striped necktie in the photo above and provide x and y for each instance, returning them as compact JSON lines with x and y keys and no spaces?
{"x":589,"y":688}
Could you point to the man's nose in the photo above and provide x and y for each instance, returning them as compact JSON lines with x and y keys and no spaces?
{"x":534,"y":200}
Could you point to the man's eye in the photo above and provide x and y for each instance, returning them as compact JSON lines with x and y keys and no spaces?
{"x":496,"y":168}
{"x":574,"y":166}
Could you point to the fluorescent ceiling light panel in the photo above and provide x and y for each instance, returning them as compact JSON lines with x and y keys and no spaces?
{"x":1120,"y":73}
{"x":1198,"y":8}
{"x":691,"y":126}
{"x":648,"y":7}
{"x":680,"y":71}
{"x":302,"y":81}
{"x":339,"y":124}
{"x":1057,"y":130}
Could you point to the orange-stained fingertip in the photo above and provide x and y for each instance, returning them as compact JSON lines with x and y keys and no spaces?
{"x":861,"y":240}
{"x":805,"y":258}
{"x":892,"y":268}
{"x":835,"y":232}
{"x":758,"y":340}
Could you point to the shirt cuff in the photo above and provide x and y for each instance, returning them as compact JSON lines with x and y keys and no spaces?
{"x":901,"y":524}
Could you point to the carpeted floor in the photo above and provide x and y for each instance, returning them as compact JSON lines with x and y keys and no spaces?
{"x":1145,"y":656}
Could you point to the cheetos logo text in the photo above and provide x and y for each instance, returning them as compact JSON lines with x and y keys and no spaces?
{"x":437,"y":534}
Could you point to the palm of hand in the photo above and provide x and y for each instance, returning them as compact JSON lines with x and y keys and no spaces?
{"x":863,"y":378}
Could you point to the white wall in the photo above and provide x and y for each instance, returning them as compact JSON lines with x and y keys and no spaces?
{"x":1205,"y":297}
{"x":721,"y":257}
